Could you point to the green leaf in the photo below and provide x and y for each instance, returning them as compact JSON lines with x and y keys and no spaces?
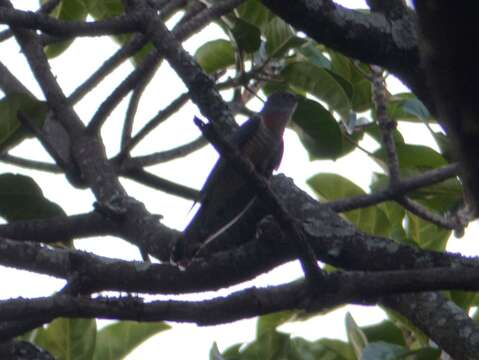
{"x":407,"y":107}
{"x":384,"y":331}
{"x":417,"y":157}
{"x":320,"y":83}
{"x":22,"y":199}
{"x":383,"y":351}
{"x":280,"y":37}
{"x":246,"y":35}
{"x":425,"y":234}
{"x":12,"y":132}
{"x":444,"y":144}
{"x":117,"y":340}
{"x":416,"y":108}
{"x":330,"y":187}
{"x":318,"y":130}
{"x":406,"y":326}
{"x":463,"y":299}
{"x":301,"y":349}
{"x":67,"y":10}
{"x":395,"y":216}
{"x":233,"y":352}
{"x":69,"y":339}
{"x":337,"y":349}
{"x":104,"y":9}
{"x":269,"y":323}
{"x":255,"y":13}
{"x":340,"y":65}
{"x":215,"y":353}
{"x":270,"y":346}
{"x":374,"y":131}
{"x":313,"y":54}
{"x":361,"y":96}
{"x":356,"y":336}
{"x":215,"y":55}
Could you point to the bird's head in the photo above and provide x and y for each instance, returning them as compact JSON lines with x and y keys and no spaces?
{"x":278,"y":110}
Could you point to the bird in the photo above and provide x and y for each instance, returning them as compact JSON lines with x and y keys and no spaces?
{"x":226,"y":195}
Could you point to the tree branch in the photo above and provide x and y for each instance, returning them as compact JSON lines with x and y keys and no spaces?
{"x":352,"y":33}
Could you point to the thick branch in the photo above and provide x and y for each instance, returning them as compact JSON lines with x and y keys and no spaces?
{"x":59,"y":229}
{"x":442,"y":320}
{"x":352,"y":33}
{"x":38,"y":21}
{"x":337,"y":288}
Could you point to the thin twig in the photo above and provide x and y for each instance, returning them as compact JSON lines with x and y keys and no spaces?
{"x":151,"y":180}
{"x":181,"y":33}
{"x":107,"y":67}
{"x":132,"y":109}
{"x":403,"y":187}
{"x":30,"y":164}
{"x":165,"y":156}
{"x":136,"y":76}
{"x":67,"y":29}
{"x":162,"y":115}
{"x":426,"y":214}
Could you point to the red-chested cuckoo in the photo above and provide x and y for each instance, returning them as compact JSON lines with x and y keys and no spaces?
{"x":227,"y":195}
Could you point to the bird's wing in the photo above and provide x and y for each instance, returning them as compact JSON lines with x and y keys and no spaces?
{"x":239,"y":138}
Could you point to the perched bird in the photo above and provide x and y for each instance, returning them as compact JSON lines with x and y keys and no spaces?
{"x":226,"y":194}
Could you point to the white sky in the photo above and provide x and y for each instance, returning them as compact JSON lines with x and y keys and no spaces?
{"x":190,"y":171}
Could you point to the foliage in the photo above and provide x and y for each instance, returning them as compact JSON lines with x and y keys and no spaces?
{"x":335,"y":112}
{"x":80,"y":339}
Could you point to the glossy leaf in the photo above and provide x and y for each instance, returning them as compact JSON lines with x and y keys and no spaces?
{"x":330,"y":187}
{"x":270,"y":346}
{"x":463,"y":299}
{"x":12,"y":132}
{"x":320,"y":83}
{"x":246,"y":35}
{"x":407,"y":107}
{"x":374,"y":131}
{"x":337,"y":349}
{"x":67,"y":10}
{"x":416,"y":157}
{"x":313,"y":54}
{"x":22,"y":199}
{"x":356,"y":337}
{"x":354,"y":74}
{"x":269,"y":323}
{"x":215,"y":353}
{"x":215,"y":55}
{"x":395,"y":216}
{"x":362,"y":95}
{"x":280,"y":37}
{"x":318,"y":130}
{"x":117,"y":340}
{"x":100,"y":10}
{"x":384,"y":331}
{"x":233,"y":352}
{"x":416,"y":108}
{"x":69,"y":339}
{"x":385,"y":351}
{"x":427,"y":235}
{"x":255,"y":13}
